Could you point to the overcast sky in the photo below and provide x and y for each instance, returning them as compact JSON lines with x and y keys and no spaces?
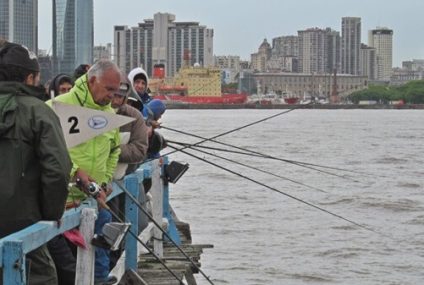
{"x":241,"y":25}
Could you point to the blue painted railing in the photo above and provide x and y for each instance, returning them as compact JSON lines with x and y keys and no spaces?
{"x":14,"y":247}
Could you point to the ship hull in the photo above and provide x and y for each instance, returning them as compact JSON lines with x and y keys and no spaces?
{"x":224,"y":99}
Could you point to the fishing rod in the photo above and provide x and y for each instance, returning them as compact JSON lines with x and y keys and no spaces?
{"x":300,"y":164}
{"x":242,"y":127}
{"x":148,"y":249}
{"x":262,"y":156}
{"x":260,"y":170}
{"x":286,"y":194}
{"x":137,"y":203}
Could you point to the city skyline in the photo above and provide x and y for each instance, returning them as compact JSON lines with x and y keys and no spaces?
{"x":241,"y":26}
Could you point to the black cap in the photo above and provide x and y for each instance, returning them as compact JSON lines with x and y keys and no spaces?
{"x":18,"y":55}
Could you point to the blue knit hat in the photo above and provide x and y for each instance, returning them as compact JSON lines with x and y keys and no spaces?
{"x":157,"y":107}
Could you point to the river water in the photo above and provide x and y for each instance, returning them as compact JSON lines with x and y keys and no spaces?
{"x":263,"y":237}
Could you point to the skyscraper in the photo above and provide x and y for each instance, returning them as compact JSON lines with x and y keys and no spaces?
{"x":351,"y":44}
{"x":73,"y":34}
{"x":382,"y":40}
{"x":19,"y":22}
{"x":161,"y":40}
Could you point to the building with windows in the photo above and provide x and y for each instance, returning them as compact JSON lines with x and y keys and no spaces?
{"x":368,"y":62}
{"x":102,"y":52}
{"x":350,"y":45}
{"x":260,"y":59}
{"x":382,"y":40}
{"x":162,"y":40}
{"x":19,"y":22}
{"x":73,"y":34}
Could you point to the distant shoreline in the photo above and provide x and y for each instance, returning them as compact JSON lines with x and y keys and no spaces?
{"x":294,"y":106}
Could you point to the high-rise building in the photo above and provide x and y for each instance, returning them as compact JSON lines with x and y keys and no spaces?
{"x":287,"y":46}
{"x":333,"y":51}
{"x":161,"y":40}
{"x":73,"y":34}
{"x":351,"y":44}
{"x":19,"y":22}
{"x":368,"y":62}
{"x":382,"y":40}
{"x":313,"y":55}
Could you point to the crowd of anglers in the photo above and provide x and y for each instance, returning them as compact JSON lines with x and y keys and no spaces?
{"x":38,"y":168}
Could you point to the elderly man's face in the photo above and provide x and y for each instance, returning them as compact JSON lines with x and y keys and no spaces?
{"x":104,"y":87}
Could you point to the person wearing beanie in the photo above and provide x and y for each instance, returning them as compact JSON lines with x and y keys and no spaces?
{"x":139,"y":82}
{"x":134,"y":152}
{"x":152,"y":112}
{"x":134,"y":144}
{"x":35,"y":169}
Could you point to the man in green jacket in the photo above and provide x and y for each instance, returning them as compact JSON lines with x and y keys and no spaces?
{"x":35,"y":165}
{"x":94,"y":160}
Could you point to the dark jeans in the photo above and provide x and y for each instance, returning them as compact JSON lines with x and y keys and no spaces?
{"x":64,"y":260}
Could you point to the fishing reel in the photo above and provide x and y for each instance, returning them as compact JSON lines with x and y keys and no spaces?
{"x":93,"y":188}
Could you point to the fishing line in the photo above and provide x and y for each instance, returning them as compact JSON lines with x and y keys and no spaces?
{"x":137,"y":203}
{"x":242,"y":127}
{"x":260,"y":170}
{"x":301,"y":164}
{"x":286,"y":194}
{"x":147,"y":247}
{"x":263,"y":156}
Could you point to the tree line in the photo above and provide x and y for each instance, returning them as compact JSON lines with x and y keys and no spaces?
{"x":411,"y":93}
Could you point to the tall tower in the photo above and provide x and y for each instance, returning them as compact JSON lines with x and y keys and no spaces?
{"x":73,"y":34}
{"x":351,"y":44}
{"x":19,"y":22}
{"x":382,"y":40}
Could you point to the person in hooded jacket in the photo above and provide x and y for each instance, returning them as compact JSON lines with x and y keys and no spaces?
{"x":95,"y":160}
{"x":60,"y":84}
{"x":139,"y":82}
{"x":35,"y":167}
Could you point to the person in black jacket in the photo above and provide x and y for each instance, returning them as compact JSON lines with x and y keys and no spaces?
{"x":35,"y":164}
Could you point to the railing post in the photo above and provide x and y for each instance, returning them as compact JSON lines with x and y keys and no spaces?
{"x":172,"y":228}
{"x":131,"y":215}
{"x":157,"y":195}
{"x":85,"y":258}
{"x":13,"y":263}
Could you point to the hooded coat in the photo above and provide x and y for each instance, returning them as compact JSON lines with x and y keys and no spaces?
{"x":144,"y":97}
{"x":35,"y":165}
{"x":98,"y":156}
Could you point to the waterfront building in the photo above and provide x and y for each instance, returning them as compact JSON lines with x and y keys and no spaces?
{"x":350,"y":45}
{"x":415,"y":65}
{"x":260,"y":59}
{"x":368,"y":62}
{"x":382,"y":40}
{"x":73,"y":34}
{"x":301,"y":85}
{"x":19,"y":22}
{"x":162,"y":40}
{"x":401,"y":76}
